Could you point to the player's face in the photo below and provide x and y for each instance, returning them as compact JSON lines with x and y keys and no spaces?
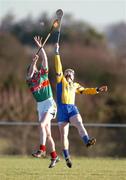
{"x":69,"y":75}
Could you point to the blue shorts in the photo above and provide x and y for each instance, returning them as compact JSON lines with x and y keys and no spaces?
{"x":65,"y":112}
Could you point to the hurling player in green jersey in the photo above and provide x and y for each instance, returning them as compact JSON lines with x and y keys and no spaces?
{"x":38,"y":82}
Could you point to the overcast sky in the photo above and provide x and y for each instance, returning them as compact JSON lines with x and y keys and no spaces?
{"x":96,"y":12}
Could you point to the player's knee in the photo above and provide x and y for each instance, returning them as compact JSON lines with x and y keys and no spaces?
{"x":42,"y":125}
{"x":49,"y":136}
{"x":78,"y":124}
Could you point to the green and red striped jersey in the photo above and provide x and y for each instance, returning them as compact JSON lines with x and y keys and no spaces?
{"x":40,"y":86}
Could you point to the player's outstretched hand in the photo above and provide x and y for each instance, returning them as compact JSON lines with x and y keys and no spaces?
{"x":38,"y":41}
{"x":103,"y":89}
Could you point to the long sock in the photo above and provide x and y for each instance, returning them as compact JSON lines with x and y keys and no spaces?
{"x":53,"y":154}
{"x":66,"y":153}
{"x":42,"y":147}
{"x":85,"y":139}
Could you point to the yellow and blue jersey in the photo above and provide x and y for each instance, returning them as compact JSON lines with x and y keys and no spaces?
{"x":66,"y":91}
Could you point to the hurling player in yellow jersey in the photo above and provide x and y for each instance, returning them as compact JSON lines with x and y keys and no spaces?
{"x":67,"y":112}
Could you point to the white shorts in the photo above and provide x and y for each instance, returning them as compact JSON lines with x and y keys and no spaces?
{"x":48,"y":105}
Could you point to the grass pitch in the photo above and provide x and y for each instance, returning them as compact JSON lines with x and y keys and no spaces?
{"x":28,"y":168}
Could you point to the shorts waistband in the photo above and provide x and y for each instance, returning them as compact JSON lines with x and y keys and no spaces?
{"x":49,"y":99}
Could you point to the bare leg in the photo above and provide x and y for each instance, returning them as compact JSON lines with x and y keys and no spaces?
{"x":45,"y":118}
{"x":77,"y":122}
{"x":42,"y":133}
{"x":42,"y":130}
{"x":49,"y":137}
{"x":45,"y":133}
{"x":64,"y":130}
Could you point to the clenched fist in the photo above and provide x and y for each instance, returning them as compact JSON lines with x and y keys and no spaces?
{"x":102,"y":89}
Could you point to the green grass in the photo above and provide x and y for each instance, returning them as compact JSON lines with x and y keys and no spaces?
{"x":27,"y":168}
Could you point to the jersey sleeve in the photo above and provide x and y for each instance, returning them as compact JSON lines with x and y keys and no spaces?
{"x":58,"y":68}
{"x":81,"y":90}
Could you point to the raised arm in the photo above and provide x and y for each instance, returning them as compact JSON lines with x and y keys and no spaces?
{"x":58,"y":65}
{"x":81,"y":90}
{"x":32,"y":67}
{"x":38,"y":41}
